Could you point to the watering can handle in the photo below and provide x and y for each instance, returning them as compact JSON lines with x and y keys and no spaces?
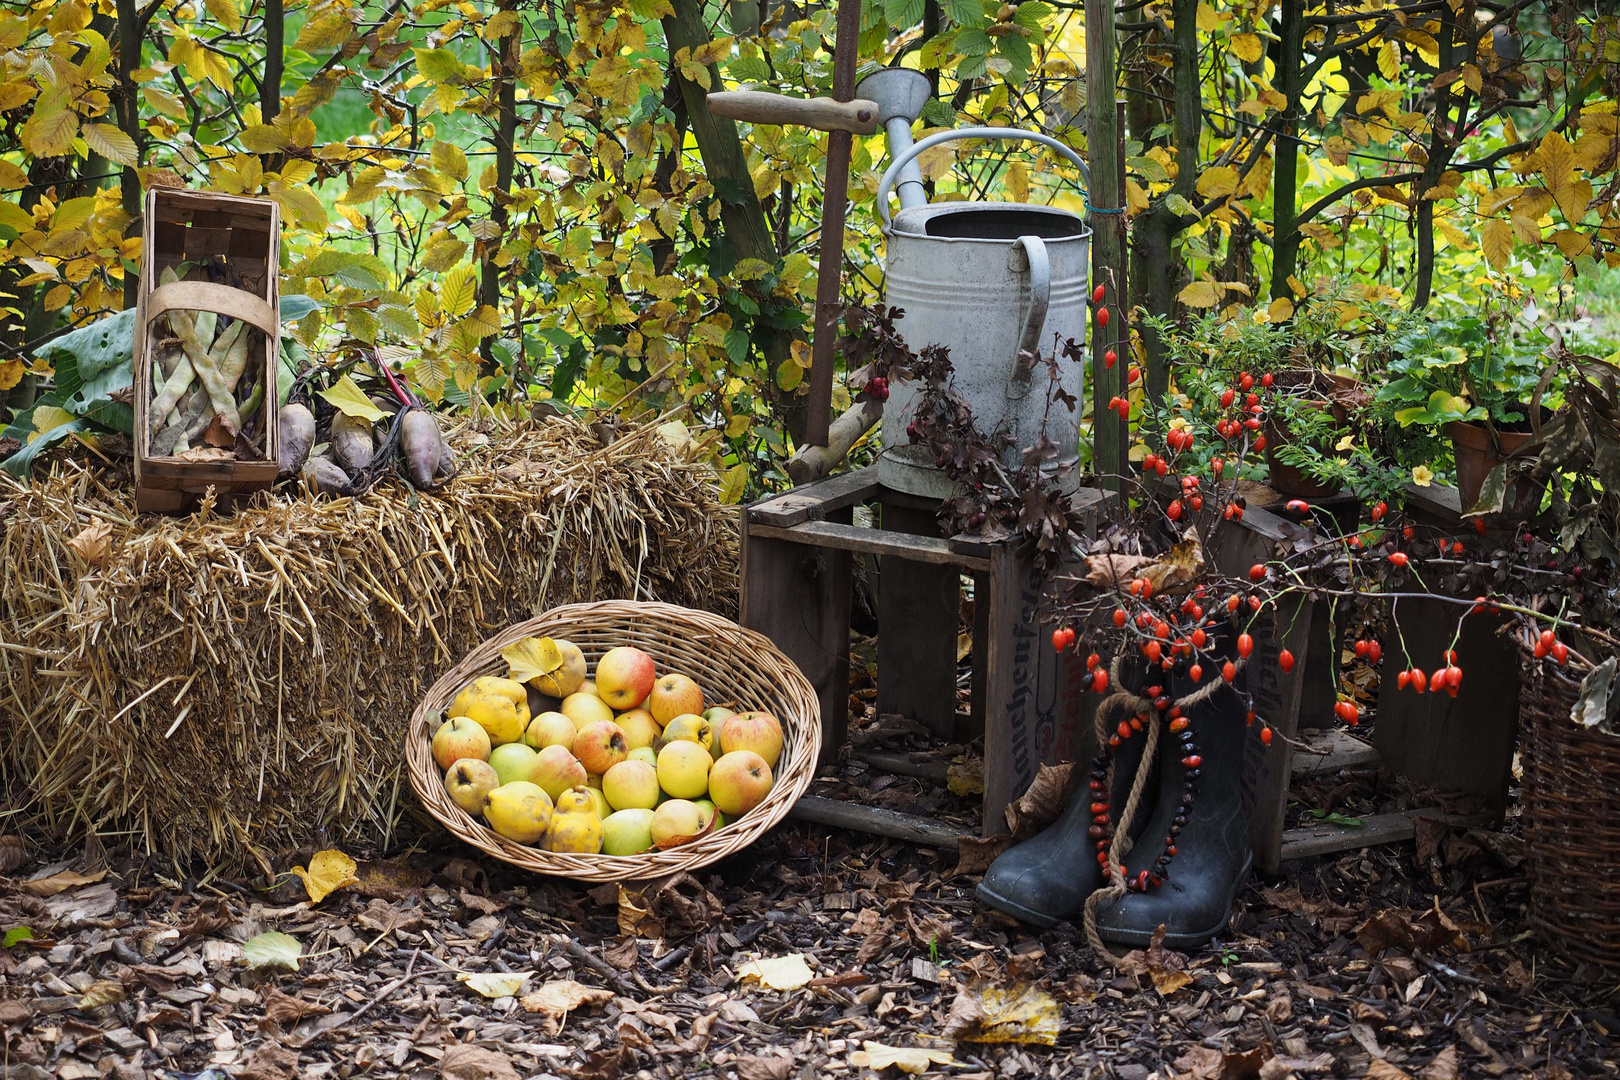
{"x":1040,"y":297}
{"x":936,"y":139}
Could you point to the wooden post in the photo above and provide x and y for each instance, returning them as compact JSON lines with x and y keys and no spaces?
{"x":1109,"y":433}
{"x":835,"y":201}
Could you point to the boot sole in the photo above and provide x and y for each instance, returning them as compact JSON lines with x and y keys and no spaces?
{"x":1182,"y":941}
{"x":1017,"y":911}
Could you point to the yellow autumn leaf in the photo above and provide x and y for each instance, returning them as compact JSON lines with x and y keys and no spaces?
{"x":328,"y":872}
{"x":1572,"y":243}
{"x":1248,"y":47}
{"x":1201,"y":294}
{"x":263,"y":138}
{"x":494,"y":984}
{"x":778,"y":972}
{"x":11,"y":373}
{"x":1280,"y":310}
{"x":111,"y":143}
{"x":1496,"y":239}
{"x":733,"y":483}
{"x":1217,"y":181}
{"x":49,"y":133}
{"x":801,"y":352}
{"x":347,"y":398}
{"x":531,"y":658}
{"x":1389,"y":61}
{"x":908,"y":1059}
{"x":1017,"y":182}
{"x":226,"y":11}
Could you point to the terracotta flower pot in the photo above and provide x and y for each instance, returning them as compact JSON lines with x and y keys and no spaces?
{"x":1476,"y":456}
{"x":1285,"y":478}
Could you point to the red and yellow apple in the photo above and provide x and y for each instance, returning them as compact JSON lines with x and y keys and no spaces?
{"x":672,"y":695}
{"x":459,"y":737}
{"x":625,"y":676}
{"x":555,"y":770}
{"x":739,"y":782}
{"x":600,"y":746}
{"x":757,"y":731}
{"x":583,"y":708}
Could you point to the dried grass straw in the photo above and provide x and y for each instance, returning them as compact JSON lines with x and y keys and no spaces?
{"x":229,"y":688}
{"x":735,"y":667}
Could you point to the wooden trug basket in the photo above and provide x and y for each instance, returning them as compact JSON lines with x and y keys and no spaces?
{"x":1571,"y":816}
{"x":187,"y":225}
{"x":735,"y":667}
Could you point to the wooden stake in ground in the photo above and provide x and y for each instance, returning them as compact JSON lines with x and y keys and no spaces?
{"x":1109,"y":328}
{"x":834,"y":203}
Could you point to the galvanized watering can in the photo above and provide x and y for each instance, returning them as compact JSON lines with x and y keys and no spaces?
{"x":995,"y":283}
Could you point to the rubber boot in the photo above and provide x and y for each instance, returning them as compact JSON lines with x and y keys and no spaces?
{"x":1199,"y":812}
{"x":1045,"y":880}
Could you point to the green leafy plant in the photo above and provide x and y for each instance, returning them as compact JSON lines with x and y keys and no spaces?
{"x":1479,"y":367}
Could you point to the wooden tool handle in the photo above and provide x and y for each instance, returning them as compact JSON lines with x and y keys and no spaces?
{"x":824,"y":114}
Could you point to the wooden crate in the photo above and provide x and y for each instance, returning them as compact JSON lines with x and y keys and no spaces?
{"x":184,"y":226}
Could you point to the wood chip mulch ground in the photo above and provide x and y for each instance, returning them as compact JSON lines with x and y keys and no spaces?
{"x":1404,"y":961}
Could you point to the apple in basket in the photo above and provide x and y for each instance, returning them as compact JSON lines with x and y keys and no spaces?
{"x":625,"y":676}
{"x":550,"y":729}
{"x":639,"y":727}
{"x":757,"y":731}
{"x":457,"y":738}
{"x":683,"y":769}
{"x":631,"y":785}
{"x":468,"y":781}
{"x":678,"y":822}
{"x":518,"y":811}
{"x":672,"y":695}
{"x":739,"y":782}
{"x":556,"y":770}
{"x":600,"y":746}
{"x":500,"y":706}
{"x":627,"y":832}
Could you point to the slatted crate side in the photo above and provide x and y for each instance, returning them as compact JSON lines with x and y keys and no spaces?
{"x":183,"y":226}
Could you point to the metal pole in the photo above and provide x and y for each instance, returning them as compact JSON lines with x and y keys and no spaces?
{"x":835,"y":202}
{"x":1110,"y":434}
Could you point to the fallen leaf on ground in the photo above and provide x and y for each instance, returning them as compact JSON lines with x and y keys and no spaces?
{"x":1443,"y":1067}
{"x":60,"y":882}
{"x":966,"y":778}
{"x":1166,"y":967}
{"x":556,"y":999}
{"x":101,"y":992}
{"x":328,"y":872}
{"x":272,"y":949}
{"x":13,"y":853}
{"x":1389,"y":928}
{"x":476,"y":1063}
{"x":1207,"y":1063}
{"x":778,"y":972}
{"x":1005,"y":1014}
{"x":270,"y":1062}
{"x":908,"y":1059}
{"x":974,"y":854}
{"x":495,"y":984}
{"x":287,"y":1011}
{"x":756,"y":1067}
{"x":625,"y":955}
{"x":212,"y":916}
{"x":1379,"y":1069}
{"x":1041,"y":803}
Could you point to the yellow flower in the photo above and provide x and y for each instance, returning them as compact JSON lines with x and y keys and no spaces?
{"x":1346,"y":443}
{"x":1422,"y":476}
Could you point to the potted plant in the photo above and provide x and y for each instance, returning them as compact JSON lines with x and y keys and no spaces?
{"x":1471,"y":379}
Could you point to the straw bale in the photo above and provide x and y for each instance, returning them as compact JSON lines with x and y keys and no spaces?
{"x":231,"y":687}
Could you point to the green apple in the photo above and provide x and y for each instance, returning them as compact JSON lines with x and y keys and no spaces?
{"x":627,"y":832}
{"x":512,"y":761}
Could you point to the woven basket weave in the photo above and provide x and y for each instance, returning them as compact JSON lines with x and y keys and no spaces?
{"x":734,"y":666}
{"x":1571,"y":817}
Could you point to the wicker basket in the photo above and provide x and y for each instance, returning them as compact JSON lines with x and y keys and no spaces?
{"x":733,"y":665}
{"x":1571,"y":818}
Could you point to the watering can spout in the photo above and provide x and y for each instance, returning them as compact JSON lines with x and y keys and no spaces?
{"x":900,"y":94}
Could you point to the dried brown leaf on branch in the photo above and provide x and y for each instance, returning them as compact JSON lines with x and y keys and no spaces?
{"x":1041,"y":803}
{"x":1182,"y":563}
{"x":1106,"y":571}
